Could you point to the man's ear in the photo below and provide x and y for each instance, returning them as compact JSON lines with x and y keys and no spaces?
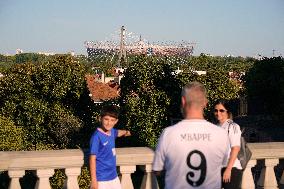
{"x":205,"y":103}
{"x":183,"y":101}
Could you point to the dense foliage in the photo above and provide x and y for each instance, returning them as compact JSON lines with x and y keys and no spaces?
{"x":48,"y":100}
{"x":11,"y":136}
{"x":44,"y":95}
{"x":150,"y":95}
{"x":6,"y":62}
{"x":265,"y":86}
{"x":144,"y":98}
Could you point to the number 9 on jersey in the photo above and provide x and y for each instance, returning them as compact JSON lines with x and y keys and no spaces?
{"x":196,"y":161}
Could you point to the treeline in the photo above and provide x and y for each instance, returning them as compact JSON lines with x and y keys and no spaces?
{"x":45,"y":103}
{"x":46,"y":97}
{"x":7,"y":61}
{"x":202,"y":62}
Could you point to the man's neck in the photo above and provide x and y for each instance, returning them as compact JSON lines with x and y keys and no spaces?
{"x":193,"y":117}
{"x":193,"y":114}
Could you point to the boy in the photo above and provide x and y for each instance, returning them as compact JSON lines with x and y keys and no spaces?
{"x":102,"y":151}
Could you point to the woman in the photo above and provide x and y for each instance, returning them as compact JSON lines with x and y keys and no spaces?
{"x":232,"y":173}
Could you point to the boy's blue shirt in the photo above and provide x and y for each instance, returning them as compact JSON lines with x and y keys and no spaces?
{"x":103,"y":146}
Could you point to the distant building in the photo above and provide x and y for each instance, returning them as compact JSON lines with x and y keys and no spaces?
{"x":46,"y":53}
{"x":138,"y":47}
{"x":119,"y":70}
{"x":259,"y":57}
{"x":72,"y":53}
{"x":200,"y":72}
{"x":178,"y":71}
{"x":19,"y":51}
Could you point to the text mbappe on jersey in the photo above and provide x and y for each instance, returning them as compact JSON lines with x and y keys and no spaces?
{"x":195,"y":137}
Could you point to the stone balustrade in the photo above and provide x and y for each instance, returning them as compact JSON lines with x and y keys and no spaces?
{"x":128,"y":158}
{"x":267,"y":155}
{"x":43,"y":163}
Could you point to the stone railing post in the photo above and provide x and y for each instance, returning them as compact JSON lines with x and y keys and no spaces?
{"x":72,"y":178}
{"x":15,"y":178}
{"x":247,"y":181}
{"x":282,"y":178}
{"x":43,"y":178}
{"x":267,"y":176}
{"x":125,"y":171}
{"x":149,"y":179}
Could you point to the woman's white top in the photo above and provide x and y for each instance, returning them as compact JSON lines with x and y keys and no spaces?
{"x":234,"y":133}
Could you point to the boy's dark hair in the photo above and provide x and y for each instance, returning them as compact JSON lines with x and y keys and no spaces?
{"x":110,"y":110}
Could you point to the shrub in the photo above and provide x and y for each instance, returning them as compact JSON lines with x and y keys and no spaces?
{"x":264,"y":85}
{"x":11,"y":136}
{"x":46,"y":98}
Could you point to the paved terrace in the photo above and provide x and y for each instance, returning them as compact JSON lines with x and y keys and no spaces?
{"x":45,"y":162}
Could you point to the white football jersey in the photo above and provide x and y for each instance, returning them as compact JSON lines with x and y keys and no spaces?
{"x":192,"y":152}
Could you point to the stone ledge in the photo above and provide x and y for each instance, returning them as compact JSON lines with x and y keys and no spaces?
{"x":269,"y":150}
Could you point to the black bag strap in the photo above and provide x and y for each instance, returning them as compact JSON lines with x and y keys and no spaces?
{"x":231,"y":122}
{"x":243,"y":130}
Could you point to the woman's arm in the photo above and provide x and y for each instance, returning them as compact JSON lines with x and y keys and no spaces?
{"x":235,"y":141}
{"x":233,"y":156}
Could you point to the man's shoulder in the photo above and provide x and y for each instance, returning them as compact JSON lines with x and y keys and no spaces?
{"x":168,"y":129}
{"x":219,"y":129}
{"x":213,"y":128}
{"x":194,"y":124}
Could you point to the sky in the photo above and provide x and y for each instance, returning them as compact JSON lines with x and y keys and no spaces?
{"x":217,"y":27}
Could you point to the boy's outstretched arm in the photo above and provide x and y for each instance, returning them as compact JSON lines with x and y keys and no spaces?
{"x":123,"y":133}
{"x":92,"y":162}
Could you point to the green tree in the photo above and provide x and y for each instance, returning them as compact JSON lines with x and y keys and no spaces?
{"x":11,"y":136}
{"x":6,"y":62}
{"x":205,"y":62}
{"x":46,"y":96}
{"x":144,"y":100}
{"x":219,"y":86}
{"x":150,"y":95}
{"x":264,"y":85}
{"x":30,"y":57}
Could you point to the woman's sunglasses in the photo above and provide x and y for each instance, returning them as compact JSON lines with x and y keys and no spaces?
{"x":221,"y":110}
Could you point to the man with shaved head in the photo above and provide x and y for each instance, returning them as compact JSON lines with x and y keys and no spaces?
{"x":192,"y":151}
